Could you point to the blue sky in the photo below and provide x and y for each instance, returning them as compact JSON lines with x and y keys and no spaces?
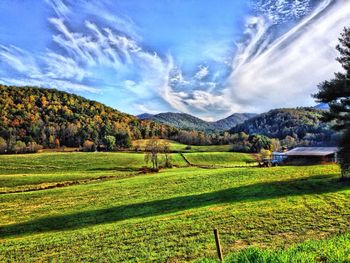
{"x":203,"y":57}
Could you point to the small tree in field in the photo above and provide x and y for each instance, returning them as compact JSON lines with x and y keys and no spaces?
{"x":265,"y":154}
{"x":336,"y":92}
{"x":152,"y":150}
{"x":110,"y":142}
{"x":165,"y":147}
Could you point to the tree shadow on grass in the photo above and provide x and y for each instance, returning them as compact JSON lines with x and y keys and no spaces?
{"x":261,"y":191}
{"x":116,"y":168}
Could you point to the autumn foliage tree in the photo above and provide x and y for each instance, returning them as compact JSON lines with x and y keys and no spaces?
{"x":336,"y":92}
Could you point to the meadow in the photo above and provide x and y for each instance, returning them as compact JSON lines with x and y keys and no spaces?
{"x":101,"y":208}
{"x":179,"y":147}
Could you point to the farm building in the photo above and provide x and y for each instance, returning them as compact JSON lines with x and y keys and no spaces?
{"x":301,"y":155}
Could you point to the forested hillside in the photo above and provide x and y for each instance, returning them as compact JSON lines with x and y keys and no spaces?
{"x":180,"y":120}
{"x":188,"y":122}
{"x":302,"y":125}
{"x":32,"y":116}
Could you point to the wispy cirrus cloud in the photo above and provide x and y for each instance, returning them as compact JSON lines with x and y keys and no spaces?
{"x":81,"y":58}
{"x":291,"y":65}
{"x":59,"y":7}
{"x":19,"y":60}
{"x":64,"y":85}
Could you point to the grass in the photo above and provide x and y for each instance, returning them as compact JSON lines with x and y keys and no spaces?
{"x":336,"y":249}
{"x":32,"y":171}
{"x":169,"y":216}
{"x":228,"y":159}
{"x":179,"y":147}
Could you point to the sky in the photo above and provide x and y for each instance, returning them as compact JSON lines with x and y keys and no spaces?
{"x":203,"y":57}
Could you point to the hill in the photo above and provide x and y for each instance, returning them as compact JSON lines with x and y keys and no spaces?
{"x":189,"y":122}
{"x":181,"y":121}
{"x":302,"y":124}
{"x":51,"y":118}
{"x":232,"y":120}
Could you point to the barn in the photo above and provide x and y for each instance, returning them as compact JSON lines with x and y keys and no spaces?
{"x":308,"y":155}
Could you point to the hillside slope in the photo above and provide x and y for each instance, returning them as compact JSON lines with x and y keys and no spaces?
{"x":50,"y":118}
{"x":189,"y":122}
{"x":300,"y":123}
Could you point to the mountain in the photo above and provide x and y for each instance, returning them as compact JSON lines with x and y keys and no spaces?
{"x":181,"y":121}
{"x":189,"y":122}
{"x":232,"y":120}
{"x":144,"y":116}
{"x":50,"y":118}
{"x":299,"y":123}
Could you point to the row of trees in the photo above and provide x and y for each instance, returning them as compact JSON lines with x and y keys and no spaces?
{"x":18,"y":146}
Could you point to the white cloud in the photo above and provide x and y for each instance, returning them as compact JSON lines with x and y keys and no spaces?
{"x":58,"y":66}
{"x":19,"y":60}
{"x":59,"y":7}
{"x":288,"y":71}
{"x":202,"y":72}
{"x":64,"y":85}
{"x":280,"y":11}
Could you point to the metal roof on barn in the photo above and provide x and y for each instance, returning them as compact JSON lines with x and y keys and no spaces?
{"x":312,"y":151}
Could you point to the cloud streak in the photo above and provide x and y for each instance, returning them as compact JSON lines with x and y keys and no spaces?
{"x":289,"y":69}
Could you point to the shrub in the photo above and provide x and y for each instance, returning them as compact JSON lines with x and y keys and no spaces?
{"x":109,"y":140}
{"x":33,"y":147}
{"x":3,"y":145}
{"x":20,"y":147}
{"x":265,"y":154}
{"x":89,"y":146}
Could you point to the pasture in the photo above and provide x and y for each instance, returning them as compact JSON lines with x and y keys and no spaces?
{"x":179,"y":147}
{"x":219,"y":159}
{"x":115,"y":213}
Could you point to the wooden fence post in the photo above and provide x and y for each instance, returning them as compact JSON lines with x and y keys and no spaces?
{"x":218,"y":246}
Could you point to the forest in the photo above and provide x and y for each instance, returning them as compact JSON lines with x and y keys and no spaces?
{"x":32,"y":118}
{"x":294,"y":126}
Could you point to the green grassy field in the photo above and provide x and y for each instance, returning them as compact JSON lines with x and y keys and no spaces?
{"x":227,"y":159}
{"x":336,"y":249}
{"x":179,"y":147}
{"x":33,"y":171}
{"x":168,"y":216}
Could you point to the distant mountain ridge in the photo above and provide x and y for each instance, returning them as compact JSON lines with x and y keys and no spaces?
{"x":232,"y":120}
{"x":189,"y":122}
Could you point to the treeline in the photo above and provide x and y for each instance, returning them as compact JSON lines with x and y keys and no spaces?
{"x":32,"y":118}
{"x":240,"y":142}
